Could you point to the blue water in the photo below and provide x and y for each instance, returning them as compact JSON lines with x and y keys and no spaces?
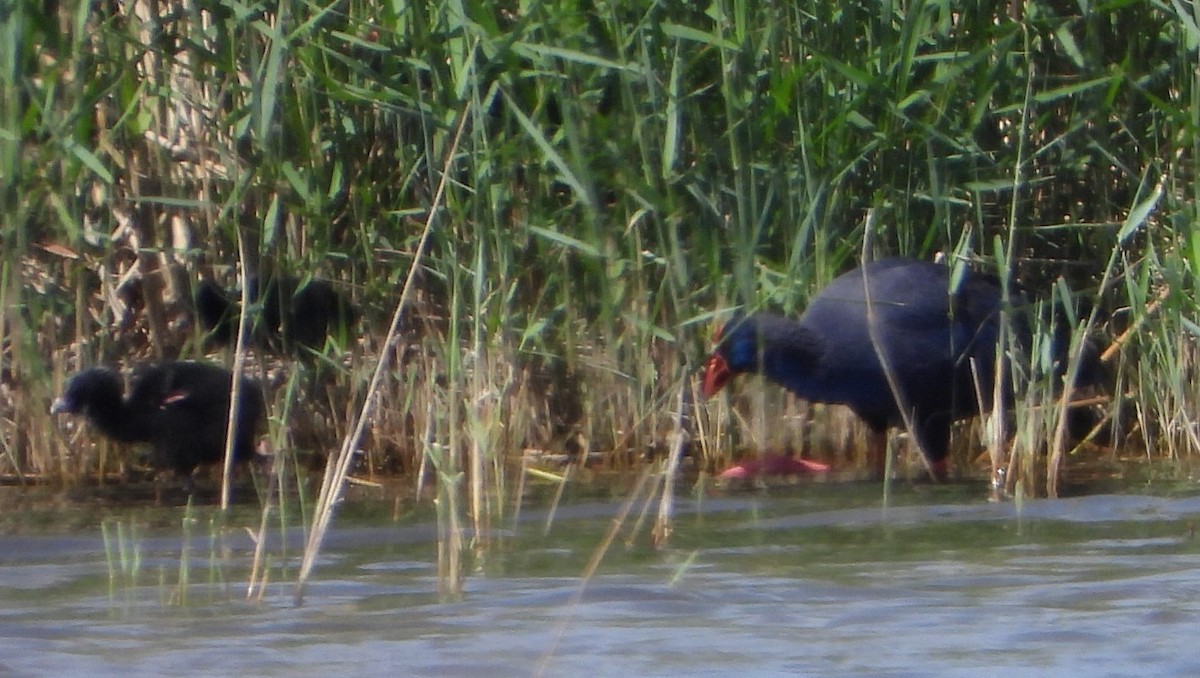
{"x":940,"y":585}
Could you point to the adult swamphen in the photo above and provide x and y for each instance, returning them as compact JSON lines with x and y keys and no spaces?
{"x":180,"y":408}
{"x":940,"y":345}
{"x":293,"y":315}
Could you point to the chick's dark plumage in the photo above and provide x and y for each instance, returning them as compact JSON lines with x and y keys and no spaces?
{"x":179,"y":408}
{"x":292,"y":315}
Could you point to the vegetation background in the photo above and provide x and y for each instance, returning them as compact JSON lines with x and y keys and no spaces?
{"x":617,"y":176}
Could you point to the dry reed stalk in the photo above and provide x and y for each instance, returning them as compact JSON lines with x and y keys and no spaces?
{"x":679,"y":437}
{"x":636,"y":528}
{"x":592,"y":566}
{"x":337,"y":469}
{"x":239,"y":363}
{"x":885,"y":363}
{"x":258,"y":571}
{"x":558,"y":493}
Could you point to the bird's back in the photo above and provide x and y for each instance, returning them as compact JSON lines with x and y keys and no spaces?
{"x":904,"y":309}
{"x":187,"y":408}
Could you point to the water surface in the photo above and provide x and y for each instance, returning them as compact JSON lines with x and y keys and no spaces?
{"x":816,"y":581}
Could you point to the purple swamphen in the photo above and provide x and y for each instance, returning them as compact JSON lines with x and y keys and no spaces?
{"x":940,"y":346}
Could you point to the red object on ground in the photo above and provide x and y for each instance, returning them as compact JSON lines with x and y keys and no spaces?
{"x":773,"y":465}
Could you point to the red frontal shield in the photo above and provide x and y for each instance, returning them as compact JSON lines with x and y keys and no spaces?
{"x":716,"y":374}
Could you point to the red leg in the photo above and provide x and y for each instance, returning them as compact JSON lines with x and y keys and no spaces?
{"x":940,"y":469}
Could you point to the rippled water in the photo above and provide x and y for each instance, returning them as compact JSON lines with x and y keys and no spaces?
{"x":815,"y":582}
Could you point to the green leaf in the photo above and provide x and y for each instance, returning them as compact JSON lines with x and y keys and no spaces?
{"x":1139,"y":214}
{"x":1067,"y":40}
{"x":566,"y":241}
{"x":919,"y":96}
{"x":989,"y":186}
{"x":1190,"y":326}
{"x":564,"y":169}
{"x":532,"y":49}
{"x":90,"y":160}
{"x":859,"y":120}
{"x":298,"y":182}
{"x":671,"y":142}
{"x":1070,"y":90}
{"x":696,"y":35}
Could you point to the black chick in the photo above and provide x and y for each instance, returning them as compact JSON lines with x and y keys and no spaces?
{"x":180,"y":408}
{"x":293,"y":316}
